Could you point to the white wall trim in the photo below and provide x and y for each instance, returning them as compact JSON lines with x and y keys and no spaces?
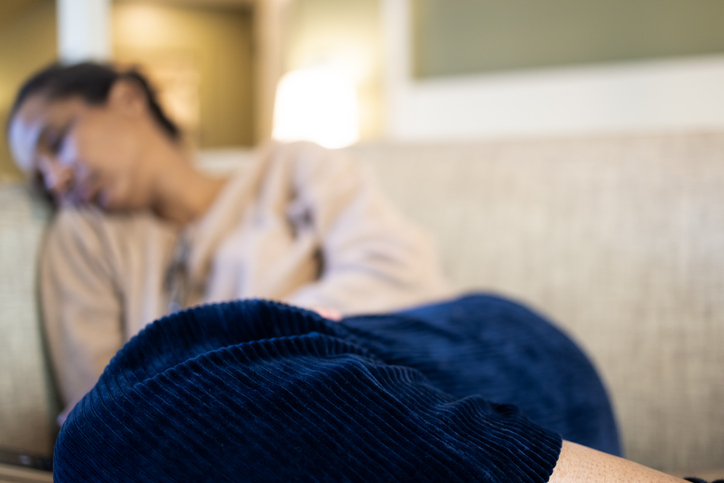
{"x":84,"y":30}
{"x":673,"y":94}
{"x":271,"y":21}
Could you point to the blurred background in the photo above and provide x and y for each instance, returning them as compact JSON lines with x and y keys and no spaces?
{"x":367,"y":70}
{"x":617,"y":237}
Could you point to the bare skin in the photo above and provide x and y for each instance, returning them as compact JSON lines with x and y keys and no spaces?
{"x":578,"y":463}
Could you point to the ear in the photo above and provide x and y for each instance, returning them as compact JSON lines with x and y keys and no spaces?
{"x":128,"y":96}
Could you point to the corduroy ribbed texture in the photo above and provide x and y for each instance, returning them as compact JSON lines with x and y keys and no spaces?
{"x":260,"y":391}
{"x":503,"y":351}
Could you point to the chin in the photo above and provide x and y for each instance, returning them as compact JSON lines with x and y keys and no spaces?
{"x":109,"y":203}
{"x":120,"y":206}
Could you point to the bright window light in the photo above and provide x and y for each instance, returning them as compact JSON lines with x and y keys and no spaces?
{"x":317,"y":104}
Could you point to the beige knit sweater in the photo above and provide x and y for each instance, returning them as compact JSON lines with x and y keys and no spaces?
{"x":301,"y":224}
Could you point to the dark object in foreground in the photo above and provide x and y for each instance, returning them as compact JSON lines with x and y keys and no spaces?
{"x":478,"y":388}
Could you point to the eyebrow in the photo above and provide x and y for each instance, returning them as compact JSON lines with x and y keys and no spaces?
{"x":59,"y":133}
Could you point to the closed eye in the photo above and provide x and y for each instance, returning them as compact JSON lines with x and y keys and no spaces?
{"x":52,"y":139}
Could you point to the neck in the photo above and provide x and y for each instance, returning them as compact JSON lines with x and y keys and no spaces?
{"x":182,"y":194}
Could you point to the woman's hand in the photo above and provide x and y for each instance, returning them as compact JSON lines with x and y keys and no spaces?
{"x":327,"y":312}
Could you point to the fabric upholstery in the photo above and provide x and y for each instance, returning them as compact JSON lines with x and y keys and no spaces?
{"x":26,"y":398}
{"x":620,"y":240}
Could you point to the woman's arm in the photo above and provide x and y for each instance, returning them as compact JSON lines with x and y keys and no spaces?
{"x":578,"y":463}
{"x":372,"y":259}
{"x":81,"y":307}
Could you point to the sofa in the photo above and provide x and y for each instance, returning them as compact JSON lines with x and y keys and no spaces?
{"x":617,"y":238}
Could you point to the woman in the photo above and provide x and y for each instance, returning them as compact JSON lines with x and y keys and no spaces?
{"x":141,"y":232}
{"x":258,"y":391}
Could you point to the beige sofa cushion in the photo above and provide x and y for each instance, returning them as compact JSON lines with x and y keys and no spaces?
{"x":26,"y":397}
{"x":618,"y":239}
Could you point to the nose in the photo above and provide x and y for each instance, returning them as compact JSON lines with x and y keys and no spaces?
{"x":57,"y":177}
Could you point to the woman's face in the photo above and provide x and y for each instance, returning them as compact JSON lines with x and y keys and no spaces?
{"x":85,"y":154}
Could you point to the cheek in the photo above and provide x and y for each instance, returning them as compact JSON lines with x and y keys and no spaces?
{"x":105,"y":146}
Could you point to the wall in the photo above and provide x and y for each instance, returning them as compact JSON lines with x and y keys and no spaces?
{"x":454,"y":37}
{"x":346,"y":34}
{"x":27,"y":43}
{"x":519,"y":69}
{"x":665,"y":93}
{"x":204,"y":55}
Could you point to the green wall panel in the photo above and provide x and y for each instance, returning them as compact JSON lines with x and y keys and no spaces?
{"x":453,"y":37}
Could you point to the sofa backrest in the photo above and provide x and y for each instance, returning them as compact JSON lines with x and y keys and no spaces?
{"x":27,"y":401}
{"x":620,"y":240}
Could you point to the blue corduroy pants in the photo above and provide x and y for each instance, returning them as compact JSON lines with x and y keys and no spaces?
{"x":475,"y":389}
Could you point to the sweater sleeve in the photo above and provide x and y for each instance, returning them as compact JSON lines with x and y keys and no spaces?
{"x":81,"y":307}
{"x":372,"y":259}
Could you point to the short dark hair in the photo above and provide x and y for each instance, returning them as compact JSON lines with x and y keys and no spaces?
{"x":92,"y":82}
